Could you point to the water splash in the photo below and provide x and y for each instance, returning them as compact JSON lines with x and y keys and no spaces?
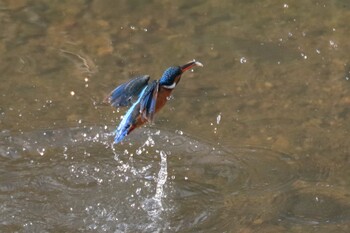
{"x":162,"y":177}
{"x":154,"y":206}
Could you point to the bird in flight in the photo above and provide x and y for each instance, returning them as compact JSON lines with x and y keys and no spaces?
{"x":145,"y":97}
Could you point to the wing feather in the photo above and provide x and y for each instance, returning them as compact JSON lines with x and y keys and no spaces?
{"x":123,"y":95}
{"x":148,"y":101}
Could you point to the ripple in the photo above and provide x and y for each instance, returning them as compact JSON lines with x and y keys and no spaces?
{"x":314,"y":205}
{"x":214,"y":189}
{"x":92,"y":186}
{"x":209,"y":182}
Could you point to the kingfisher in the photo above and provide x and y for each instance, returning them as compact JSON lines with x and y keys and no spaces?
{"x":145,"y":98}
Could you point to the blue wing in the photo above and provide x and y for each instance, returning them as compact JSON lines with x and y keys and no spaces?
{"x":129,"y":119}
{"x":144,"y":106}
{"x":148,"y":101}
{"x":123,"y":95}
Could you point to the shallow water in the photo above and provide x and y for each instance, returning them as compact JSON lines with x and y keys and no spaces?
{"x":255,"y":141}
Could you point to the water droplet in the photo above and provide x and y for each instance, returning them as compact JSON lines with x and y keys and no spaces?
{"x":243,"y":60}
{"x":218,"y":118}
{"x":149,"y":142}
{"x":333,"y":44}
{"x":41,"y":151}
{"x":139,"y":151}
{"x":179,"y":132}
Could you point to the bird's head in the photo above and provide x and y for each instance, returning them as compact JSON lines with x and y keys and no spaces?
{"x":172,"y":75}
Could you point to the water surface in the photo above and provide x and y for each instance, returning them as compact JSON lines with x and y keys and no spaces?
{"x":255,"y":141}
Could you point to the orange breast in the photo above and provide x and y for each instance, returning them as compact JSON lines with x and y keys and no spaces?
{"x":163,"y":95}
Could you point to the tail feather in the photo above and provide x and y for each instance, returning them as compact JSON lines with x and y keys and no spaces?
{"x":120,"y":135}
{"x":124,"y":127}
